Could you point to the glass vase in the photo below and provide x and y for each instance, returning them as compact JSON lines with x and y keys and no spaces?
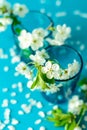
{"x":64,"y":55}
{"x":32,"y":20}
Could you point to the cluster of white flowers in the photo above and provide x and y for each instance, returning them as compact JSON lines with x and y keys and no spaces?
{"x":73,"y":68}
{"x":23,"y":69}
{"x":75,"y":105}
{"x":18,"y":9}
{"x":39,"y":57}
{"x":33,"y":40}
{"x":71,"y":71}
{"x":51,"y":69}
{"x":56,"y":72}
{"x":60,"y":34}
{"x":6,"y":11}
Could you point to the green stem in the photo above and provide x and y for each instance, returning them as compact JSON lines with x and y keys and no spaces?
{"x":51,"y":28}
{"x":81,"y":116}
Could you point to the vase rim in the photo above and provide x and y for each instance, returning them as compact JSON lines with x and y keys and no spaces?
{"x":39,"y":12}
{"x":80,"y":57}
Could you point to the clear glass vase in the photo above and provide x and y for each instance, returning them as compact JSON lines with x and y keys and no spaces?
{"x":32,"y":20}
{"x":64,"y":55}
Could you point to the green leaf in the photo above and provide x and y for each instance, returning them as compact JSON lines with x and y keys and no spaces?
{"x":35,"y":82}
{"x":61,"y":123}
{"x":70,"y":126}
{"x":83,"y":81}
{"x":39,"y":82}
{"x":58,"y":110}
{"x":43,"y":76}
{"x":15,"y":20}
{"x":18,"y":30}
{"x":42,"y":83}
{"x":62,"y":119}
{"x":51,"y":119}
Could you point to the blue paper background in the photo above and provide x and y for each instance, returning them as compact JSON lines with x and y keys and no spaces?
{"x":61,"y":11}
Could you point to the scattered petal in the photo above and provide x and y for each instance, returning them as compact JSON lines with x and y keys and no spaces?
{"x":37,"y":121}
{"x":41,"y":113}
{"x":14,"y":121}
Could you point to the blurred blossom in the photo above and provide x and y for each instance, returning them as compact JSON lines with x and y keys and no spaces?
{"x":75,"y":105}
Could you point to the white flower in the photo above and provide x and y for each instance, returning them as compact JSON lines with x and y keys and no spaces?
{"x":20,"y":10}
{"x":42,"y":53}
{"x":25,"y":39}
{"x":5,"y":8}
{"x":64,"y":74}
{"x":23,"y":69}
{"x":50,"y":69}
{"x":40,"y":32}
{"x":54,"y":88}
{"x":4,"y":22}
{"x":40,"y":57}
{"x":73,"y":68}
{"x":77,"y":128}
{"x":55,"y":41}
{"x":84,"y":87}
{"x":75,"y":105}
{"x":62,"y":32}
{"x":37,"y":42}
{"x":2,"y":27}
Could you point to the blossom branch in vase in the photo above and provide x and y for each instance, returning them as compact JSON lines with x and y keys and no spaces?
{"x":46,"y":71}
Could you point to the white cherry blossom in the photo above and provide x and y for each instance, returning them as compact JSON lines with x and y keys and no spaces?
{"x":7,"y":20}
{"x":40,"y":57}
{"x":23,"y":69}
{"x":37,"y":42}
{"x":62,"y":32}
{"x":63,"y":74}
{"x":54,"y":88}
{"x":4,"y":22}
{"x":50,"y":69}
{"x":84,"y":87}
{"x":75,"y":105}
{"x":20,"y":9}
{"x":73,"y":68}
{"x":25,"y":39}
{"x":42,"y":53}
{"x":55,"y":41}
{"x":5,"y":8}
{"x":40,"y":32}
